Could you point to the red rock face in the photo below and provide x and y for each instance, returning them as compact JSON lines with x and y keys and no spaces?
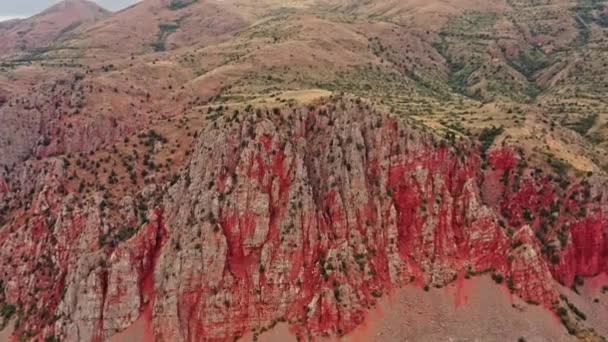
{"x":304,"y":216}
{"x":568,"y":219}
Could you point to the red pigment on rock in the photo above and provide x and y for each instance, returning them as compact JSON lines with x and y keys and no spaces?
{"x":460,"y":297}
{"x":352,"y":211}
{"x":502,"y":158}
{"x":149,"y":243}
{"x":3,"y":185}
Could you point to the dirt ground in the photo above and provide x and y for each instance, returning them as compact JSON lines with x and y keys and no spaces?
{"x":6,"y":333}
{"x":474,"y":310}
{"x":592,"y":302}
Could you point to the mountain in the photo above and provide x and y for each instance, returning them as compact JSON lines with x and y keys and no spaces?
{"x":187,"y":170}
{"x":39,"y":31}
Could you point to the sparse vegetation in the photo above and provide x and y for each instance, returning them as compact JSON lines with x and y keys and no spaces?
{"x":559,"y":167}
{"x":487,"y":137}
{"x":576,"y":311}
{"x":125,"y":233}
{"x":497,"y":278}
{"x":175,"y":5}
{"x":529,"y":62}
{"x":165,"y":29}
{"x":6,"y":313}
{"x":583,"y":125}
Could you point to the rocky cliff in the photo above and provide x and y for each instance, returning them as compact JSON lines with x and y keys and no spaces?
{"x":304,"y":215}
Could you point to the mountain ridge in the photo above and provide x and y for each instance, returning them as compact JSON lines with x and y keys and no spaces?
{"x":43,"y":29}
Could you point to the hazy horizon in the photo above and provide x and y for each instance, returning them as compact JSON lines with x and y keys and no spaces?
{"x":20,"y":9}
{"x":5,"y":18}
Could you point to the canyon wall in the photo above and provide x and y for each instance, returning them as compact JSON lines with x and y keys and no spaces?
{"x":303,"y":215}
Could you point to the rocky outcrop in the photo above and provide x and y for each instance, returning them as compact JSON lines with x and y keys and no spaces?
{"x":308,"y":215}
{"x":302,"y":215}
{"x":566,"y":216}
{"x":64,"y":115}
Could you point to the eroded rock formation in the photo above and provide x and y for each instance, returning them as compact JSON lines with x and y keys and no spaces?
{"x":304,"y":215}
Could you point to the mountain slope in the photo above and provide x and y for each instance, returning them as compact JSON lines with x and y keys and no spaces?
{"x":201,"y":170}
{"x":151,"y":26}
{"x":44,"y":29}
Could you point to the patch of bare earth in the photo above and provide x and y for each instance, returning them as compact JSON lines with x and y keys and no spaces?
{"x":5,"y":334}
{"x":592,"y":301}
{"x":470,"y":310}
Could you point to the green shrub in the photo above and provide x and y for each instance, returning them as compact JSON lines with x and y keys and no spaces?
{"x":159,"y":46}
{"x":125,"y":233}
{"x":583,"y":125}
{"x":560,"y":167}
{"x":487,"y":137}
{"x":7,"y":311}
{"x":576,"y":311}
{"x":579,"y":280}
{"x":510,"y":284}
{"x":337,"y":295}
{"x":179,"y":4}
{"x":498,"y":278}
{"x":527,"y":215}
{"x":516,"y":244}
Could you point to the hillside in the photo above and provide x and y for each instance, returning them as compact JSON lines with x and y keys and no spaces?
{"x":193,"y":170}
{"x":48,"y":27}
